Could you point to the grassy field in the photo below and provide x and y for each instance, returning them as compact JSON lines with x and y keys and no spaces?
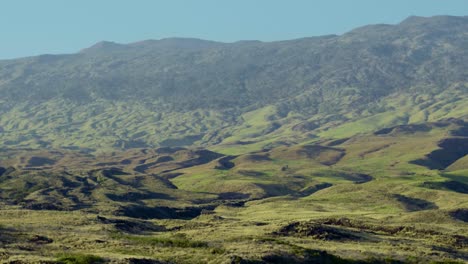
{"x":370,"y":198}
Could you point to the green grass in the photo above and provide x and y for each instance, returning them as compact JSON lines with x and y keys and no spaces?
{"x":244,"y":205}
{"x":176,"y":241}
{"x":79,"y":259}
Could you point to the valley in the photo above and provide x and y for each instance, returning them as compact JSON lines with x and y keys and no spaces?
{"x":344,"y":148}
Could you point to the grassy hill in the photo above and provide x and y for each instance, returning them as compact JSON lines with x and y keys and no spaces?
{"x":372,"y":198}
{"x":333,"y":149}
{"x":183,"y":92}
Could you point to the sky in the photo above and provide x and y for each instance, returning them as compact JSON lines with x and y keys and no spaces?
{"x":33,"y":27}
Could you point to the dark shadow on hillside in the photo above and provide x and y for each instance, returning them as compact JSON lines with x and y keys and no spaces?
{"x":137,"y":196}
{"x":330,"y":156}
{"x":252,"y":173}
{"x":39,"y":161}
{"x":307,"y":256}
{"x":357,"y":178}
{"x":451,"y":149}
{"x":319,"y":231}
{"x":161,"y":212}
{"x":460,"y":214}
{"x":131,"y":226}
{"x":143,"y":167}
{"x":406,"y":129}
{"x":336,"y":142}
{"x":113,"y":173}
{"x":8,"y":236}
{"x":454,"y":186}
{"x":144,"y":261}
{"x":462,"y":131}
{"x":313,"y":189}
{"x":233,"y":196}
{"x":225,"y":163}
{"x":462,"y":178}
{"x":257,"y":157}
{"x":414,"y":204}
{"x":204,"y":156}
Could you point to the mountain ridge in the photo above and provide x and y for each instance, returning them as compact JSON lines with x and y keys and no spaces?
{"x":336,"y":149}
{"x":326,"y":80}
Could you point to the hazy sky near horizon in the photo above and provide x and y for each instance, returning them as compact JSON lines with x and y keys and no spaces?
{"x":32,"y":27}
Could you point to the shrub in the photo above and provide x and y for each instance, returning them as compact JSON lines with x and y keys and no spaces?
{"x":79,"y":259}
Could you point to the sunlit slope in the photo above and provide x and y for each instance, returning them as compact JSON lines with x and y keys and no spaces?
{"x":392,"y":170}
{"x":371,"y":197}
{"x":246,"y":95}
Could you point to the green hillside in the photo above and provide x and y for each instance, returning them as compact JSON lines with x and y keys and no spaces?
{"x":347,"y":149}
{"x":183,"y":92}
{"x":372,"y":198}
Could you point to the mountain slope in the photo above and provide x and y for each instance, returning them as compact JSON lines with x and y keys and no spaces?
{"x":186,"y":91}
{"x":334,"y":149}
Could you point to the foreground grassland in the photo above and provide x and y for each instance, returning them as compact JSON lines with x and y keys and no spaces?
{"x":398,"y":195}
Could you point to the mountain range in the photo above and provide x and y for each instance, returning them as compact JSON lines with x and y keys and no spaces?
{"x":347,"y":149}
{"x":182,"y":92}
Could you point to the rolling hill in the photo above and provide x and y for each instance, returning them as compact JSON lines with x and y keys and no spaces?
{"x":333,"y":149}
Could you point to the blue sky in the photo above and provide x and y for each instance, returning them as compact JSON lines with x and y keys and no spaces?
{"x":32,"y":27}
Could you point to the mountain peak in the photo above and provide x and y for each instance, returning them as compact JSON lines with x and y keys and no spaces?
{"x":103,"y":46}
{"x":440,"y":20}
{"x":175,"y":43}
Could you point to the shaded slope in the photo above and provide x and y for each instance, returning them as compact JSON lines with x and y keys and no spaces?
{"x":451,"y":150}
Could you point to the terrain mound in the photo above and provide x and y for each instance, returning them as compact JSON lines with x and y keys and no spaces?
{"x":317,"y":231}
